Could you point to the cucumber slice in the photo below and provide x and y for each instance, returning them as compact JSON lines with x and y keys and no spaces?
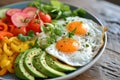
{"x":3,"y":12}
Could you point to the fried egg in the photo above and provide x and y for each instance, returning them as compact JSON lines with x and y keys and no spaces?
{"x":84,"y":44}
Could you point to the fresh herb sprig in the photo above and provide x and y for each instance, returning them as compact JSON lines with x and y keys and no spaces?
{"x":71,"y":34}
{"x":25,"y":38}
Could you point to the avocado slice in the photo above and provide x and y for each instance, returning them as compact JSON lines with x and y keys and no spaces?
{"x":55,"y":64}
{"x":17,"y":70}
{"x":40,"y":63}
{"x":20,"y":70}
{"x":28,"y":63}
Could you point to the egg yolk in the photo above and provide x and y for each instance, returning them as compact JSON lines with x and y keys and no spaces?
{"x":78,"y":27}
{"x":67,"y":45}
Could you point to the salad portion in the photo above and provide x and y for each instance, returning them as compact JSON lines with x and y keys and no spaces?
{"x":46,"y":40}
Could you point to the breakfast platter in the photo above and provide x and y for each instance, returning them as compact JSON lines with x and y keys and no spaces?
{"x":48,"y":41}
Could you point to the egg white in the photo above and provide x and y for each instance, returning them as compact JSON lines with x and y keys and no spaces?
{"x":77,"y":58}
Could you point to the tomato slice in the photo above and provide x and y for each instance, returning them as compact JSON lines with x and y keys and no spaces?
{"x":20,"y":30}
{"x":34,"y":25}
{"x":12,"y":11}
{"x":20,"y":19}
{"x":11,"y":28}
{"x":46,"y":18}
{"x":7,"y":20}
{"x":30,"y":11}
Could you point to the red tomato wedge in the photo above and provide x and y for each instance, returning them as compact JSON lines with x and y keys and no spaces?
{"x":20,"y":30}
{"x":7,"y":20}
{"x":34,"y":25}
{"x":19,"y":19}
{"x":12,"y":11}
{"x":30,"y":11}
{"x":46,"y":18}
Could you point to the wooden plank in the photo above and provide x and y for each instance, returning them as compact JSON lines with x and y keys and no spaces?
{"x":6,"y":2}
{"x":106,"y":68}
{"x":109,"y":15}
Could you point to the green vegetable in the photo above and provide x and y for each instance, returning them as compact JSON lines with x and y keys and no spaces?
{"x":70,"y":34}
{"x":79,"y":12}
{"x":44,"y":29}
{"x":35,"y":3}
{"x":58,"y":32}
{"x":56,"y":3}
{"x":55,"y":8}
{"x":25,"y":38}
{"x":37,"y":43}
{"x":87,"y":45}
{"x":88,"y":33}
{"x":3,"y":12}
{"x":31,"y":34}
{"x":59,"y":14}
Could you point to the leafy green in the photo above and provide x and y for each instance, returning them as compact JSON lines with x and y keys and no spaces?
{"x":44,"y":29}
{"x":87,"y":45}
{"x":79,"y":12}
{"x":45,"y":46}
{"x":35,"y":3}
{"x":25,"y":38}
{"x":88,"y":33}
{"x":37,"y":43}
{"x":57,"y":31}
{"x":55,"y":8}
{"x":70,"y":34}
{"x":56,"y":3}
{"x":59,"y":14}
{"x":31,"y":34}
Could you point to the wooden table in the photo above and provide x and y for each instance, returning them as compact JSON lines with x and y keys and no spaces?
{"x":108,"y":66}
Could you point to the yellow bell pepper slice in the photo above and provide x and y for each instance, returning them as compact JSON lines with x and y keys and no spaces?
{"x":10,"y":68}
{"x":13,"y":57}
{"x":1,"y":44}
{"x":3,"y":71}
{"x":15,"y":40}
{"x":7,"y":50}
{"x":24,"y":47}
{"x":16,"y":48}
{"x":4,"y":61}
{"x":1,"y":51}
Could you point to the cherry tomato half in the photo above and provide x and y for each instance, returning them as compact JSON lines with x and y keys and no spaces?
{"x":34,"y":25}
{"x":20,"y":30}
{"x":46,"y":18}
